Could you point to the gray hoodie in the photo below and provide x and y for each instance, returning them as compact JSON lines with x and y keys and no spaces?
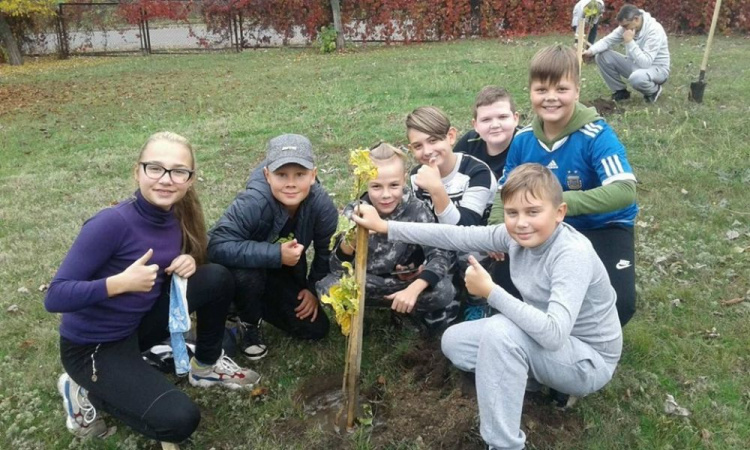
{"x":648,"y":49}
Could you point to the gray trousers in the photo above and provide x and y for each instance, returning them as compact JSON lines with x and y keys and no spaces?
{"x":504,"y":358}
{"x":615,"y":66}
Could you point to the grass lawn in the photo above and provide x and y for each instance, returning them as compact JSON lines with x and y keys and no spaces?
{"x":70,"y":132}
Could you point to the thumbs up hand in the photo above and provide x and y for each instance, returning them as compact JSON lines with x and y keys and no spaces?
{"x":428,"y":176}
{"x":138,"y":277}
{"x":478,"y":282}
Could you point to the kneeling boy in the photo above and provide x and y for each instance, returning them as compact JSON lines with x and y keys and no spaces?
{"x":564,"y":334}
{"x":590,"y":163}
{"x":426,"y":294}
{"x":263,"y":236}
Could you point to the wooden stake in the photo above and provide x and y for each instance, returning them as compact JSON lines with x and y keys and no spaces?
{"x":580,"y":29}
{"x":354,"y":356}
{"x":169,"y":446}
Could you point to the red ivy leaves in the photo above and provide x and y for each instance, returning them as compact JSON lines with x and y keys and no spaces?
{"x":419,"y":20}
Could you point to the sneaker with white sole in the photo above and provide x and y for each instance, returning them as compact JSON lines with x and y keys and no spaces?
{"x":224,"y":372}
{"x":651,"y":98}
{"x":81,"y":418}
{"x":251,"y":341}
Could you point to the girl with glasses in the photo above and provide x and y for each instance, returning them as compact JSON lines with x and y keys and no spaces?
{"x":113,"y":290}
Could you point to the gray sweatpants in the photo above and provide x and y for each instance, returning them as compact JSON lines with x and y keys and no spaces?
{"x":615,"y":66}
{"x":504,"y":357}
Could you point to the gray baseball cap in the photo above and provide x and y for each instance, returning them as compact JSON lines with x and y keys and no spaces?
{"x":289,"y":149}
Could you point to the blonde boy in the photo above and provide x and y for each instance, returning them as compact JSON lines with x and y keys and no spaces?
{"x":589,"y":161}
{"x":409,"y":279}
{"x":564,"y":334}
{"x":263,"y":238}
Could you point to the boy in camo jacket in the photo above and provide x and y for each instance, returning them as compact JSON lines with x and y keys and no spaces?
{"x":410,"y":279}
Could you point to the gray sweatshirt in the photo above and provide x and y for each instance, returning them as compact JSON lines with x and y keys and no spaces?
{"x":565,"y":288}
{"x":648,"y":48}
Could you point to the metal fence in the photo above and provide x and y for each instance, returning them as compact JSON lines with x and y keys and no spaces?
{"x":96,"y":28}
{"x":113,"y":27}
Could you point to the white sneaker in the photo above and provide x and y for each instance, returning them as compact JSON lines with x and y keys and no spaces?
{"x":224,"y":372}
{"x":81,"y":415}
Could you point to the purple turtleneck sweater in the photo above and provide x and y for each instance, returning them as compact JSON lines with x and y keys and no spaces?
{"x":108,"y":244}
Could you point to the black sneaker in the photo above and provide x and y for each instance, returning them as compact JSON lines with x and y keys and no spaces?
{"x":561,"y":400}
{"x":622,"y":94}
{"x":251,"y":341}
{"x":651,"y":98}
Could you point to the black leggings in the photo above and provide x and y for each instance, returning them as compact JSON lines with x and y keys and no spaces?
{"x":616,"y":248}
{"x":130,"y":389}
{"x":271,"y":295}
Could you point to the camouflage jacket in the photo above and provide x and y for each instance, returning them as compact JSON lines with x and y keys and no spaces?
{"x":383,"y":256}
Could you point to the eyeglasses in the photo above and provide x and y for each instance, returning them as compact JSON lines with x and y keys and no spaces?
{"x":178,"y":176}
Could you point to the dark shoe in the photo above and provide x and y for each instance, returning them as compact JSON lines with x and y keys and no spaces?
{"x":561,"y":400}
{"x":651,"y":98}
{"x":251,"y":339}
{"x":622,"y":94}
{"x":160,"y":356}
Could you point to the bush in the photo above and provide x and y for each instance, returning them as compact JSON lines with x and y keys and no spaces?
{"x":327,"y":39}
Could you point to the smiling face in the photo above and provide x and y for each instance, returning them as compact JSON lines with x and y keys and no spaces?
{"x":290,"y":185}
{"x":554,"y":103}
{"x":387,"y":189}
{"x":428,"y":149}
{"x":531,"y":221}
{"x":163,"y":192}
{"x":496,"y":124}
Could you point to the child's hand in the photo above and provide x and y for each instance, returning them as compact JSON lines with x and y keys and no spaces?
{"x":138,"y":277}
{"x":368,"y":217}
{"x":410,"y":273}
{"x":291,"y":252}
{"x":497,"y":256}
{"x":346,"y":248}
{"x":403,"y":300}
{"x":478,"y":282}
{"x":183,"y":265}
{"x":428,"y":177}
{"x":308,"y":305}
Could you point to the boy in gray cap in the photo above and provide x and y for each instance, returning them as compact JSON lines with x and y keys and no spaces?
{"x":263,"y":236}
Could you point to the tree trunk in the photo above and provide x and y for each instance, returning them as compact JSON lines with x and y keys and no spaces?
{"x":336,"y":9}
{"x":9,"y":43}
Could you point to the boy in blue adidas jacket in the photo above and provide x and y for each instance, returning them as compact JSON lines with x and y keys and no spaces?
{"x":586,"y":156}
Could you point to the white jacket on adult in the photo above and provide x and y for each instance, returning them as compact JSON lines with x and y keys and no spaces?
{"x":647,"y":49}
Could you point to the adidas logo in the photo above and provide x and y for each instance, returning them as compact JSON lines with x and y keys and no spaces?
{"x":552,"y":165}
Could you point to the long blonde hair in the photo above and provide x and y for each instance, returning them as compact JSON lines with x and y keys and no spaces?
{"x":188,"y":210}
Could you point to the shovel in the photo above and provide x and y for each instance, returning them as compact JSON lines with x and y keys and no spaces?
{"x":698,"y":87}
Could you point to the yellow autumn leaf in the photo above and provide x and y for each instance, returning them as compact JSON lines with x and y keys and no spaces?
{"x":18,"y":8}
{"x":346,"y":325}
{"x":343,"y":298}
{"x":363,"y":167}
{"x":592,"y":9}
